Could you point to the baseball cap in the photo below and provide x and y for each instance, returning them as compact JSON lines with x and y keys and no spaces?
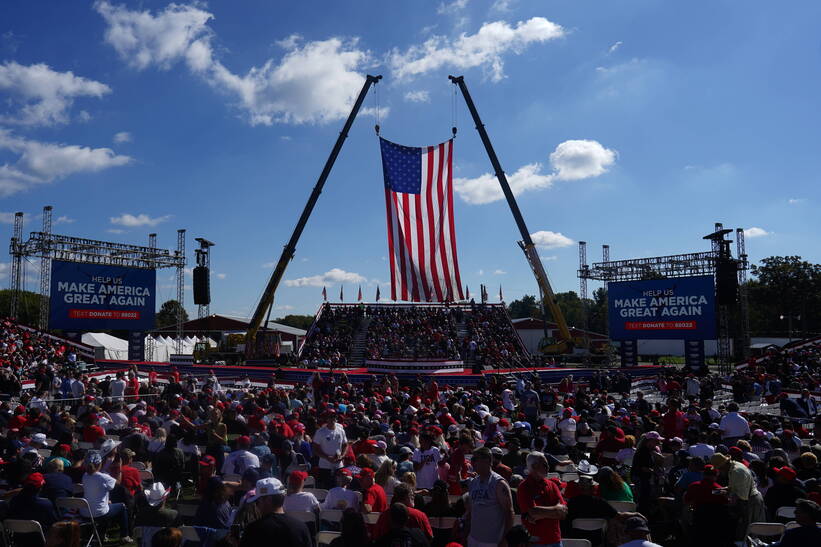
{"x":267,"y":487}
{"x":365,"y":472}
{"x":653,"y":435}
{"x":208,"y":460}
{"x":93,"y":457}
{"x":34,"y":479}
{"x":636,"y":524}
{"x":39,"y":438}
{"x":382,"y":444}
{"x":786,"y":473}
{"x":405,"y":450}
{"x":244,"y":440}
{"x":496,"y":451}
{"x":297,"y":477}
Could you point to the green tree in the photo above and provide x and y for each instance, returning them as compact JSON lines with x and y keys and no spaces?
{"x":28,"y":306}
{"x":788,"y":287}
{"x":167,"y":315}
{"x":597,"y":311}
{"x":527,"y":306}
{"x":303,"y":322}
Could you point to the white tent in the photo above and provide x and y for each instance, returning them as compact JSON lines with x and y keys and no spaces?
{"x":113,"y":347}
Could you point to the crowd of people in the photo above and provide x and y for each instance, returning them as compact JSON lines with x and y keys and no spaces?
{"x":491,"y":338}
{"x":413,"y":332}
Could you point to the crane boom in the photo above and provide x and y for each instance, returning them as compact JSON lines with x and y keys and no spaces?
{"x":527,"y":242}
{"x":288,"y":251}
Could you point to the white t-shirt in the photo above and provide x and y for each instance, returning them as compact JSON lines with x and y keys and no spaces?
{"x":238,"y":461}
{"x":116,"y":388}
{"x":507,"y":399}
{"x":331,"y":442}
{"x":429,"y":471}
{"x":702,"y":450}
{"x":734,"y":425}
{"x":301,"y":501}
{"x":341,"y":498}
{"x":567,"y":427}
{"x":95,"y":489}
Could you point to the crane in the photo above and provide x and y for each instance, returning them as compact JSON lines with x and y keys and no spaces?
{"x":565,"y":342}
{"x":267,"y":299}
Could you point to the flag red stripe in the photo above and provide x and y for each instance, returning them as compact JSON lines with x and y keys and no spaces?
{"x":432,"y":226}
{"x":440,"y":188}
{"x":450,"y":220}
{"x":408,"y":233}
{"x":390,"y":242}
{"x":424,"y":290}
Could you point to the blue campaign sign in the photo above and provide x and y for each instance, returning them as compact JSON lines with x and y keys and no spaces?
{"x":87,"y":297}
{"x":682,"y":308}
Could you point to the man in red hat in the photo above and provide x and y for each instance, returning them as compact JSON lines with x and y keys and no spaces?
{"x":240,"y":459}
{"x":783,"y":493}
{"x":28,"y":505}
{"x":373,"y":495}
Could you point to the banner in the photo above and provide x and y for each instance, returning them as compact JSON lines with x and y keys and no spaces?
{"x":682,"y":308}
{"x":93,"y":297}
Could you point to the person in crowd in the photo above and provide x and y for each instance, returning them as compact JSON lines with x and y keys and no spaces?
{"x":167,"y":537}
{"x":296,"y":499}
{"x":154,"y":512}
{"x":28,"y":505}
{"x":733,"y":426}
{"x":489,"y":510}
{"x":274,"y":524}
{"x":386,"y":477}
{"x":638,"y":531}
{"x":341,"y":496}
{"x":400,"y":532}
{"x":354,"y":531}
{"x":786,"y":490}
{"x":746,"y":503}
{"x":403,"y":495}
{"x":426,"y":461}
{"x":329,"y":444}
{"x":57,"y":483}
{"x":214,"y":510}
{"x":240,"y":459}
{"x":541,"y":502}
{"x":612,"y":486}
{"x":65,"y":533}
{"x":96,"y":489}
{"x":373,"y":495}
{"x":807,"y":515}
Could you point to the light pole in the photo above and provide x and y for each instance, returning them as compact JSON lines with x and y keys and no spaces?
{"x":789,"y":318}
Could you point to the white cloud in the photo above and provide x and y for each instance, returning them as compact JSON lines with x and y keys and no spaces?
{"x":136,"y":221}
{"x":43,"y":95}
{"x":83,"y":116}
{"x":41,"y":162}
{"x":481,"y":272}
{"x":221,"y":276}
{"x":331,"y":277}
{"x":581,"y":159}
{"x":483,"y":49}
{"x":456,"y":5}
{"x":550,"y":240}
{"x":548,"y":258}
{"x":796,"y":201}
{"x":502,"y":5}
{"x":614,"y":47}
{"x":284,"y":307}
{"x":4,"y":269}
{"x":64,"y":220}
{"x":122,"y":136}
{"x":420,"y":96}
{"x":269,"y":264}
{"x":571,"y":160}
{"x":499,"y":272}
{"x":115,"y":231}
{"x":6,"y":218}
{"x":314,"y":82}
{"x":755,"y":231}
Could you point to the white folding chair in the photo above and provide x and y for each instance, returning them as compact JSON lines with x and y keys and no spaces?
{"x":570,"y":477}
{"x":310,"y":482}
{"x":77,"y":509}
{"x":44,"y":452}
{"x":319,"y":493}
{"x":231,"y":477}
{"x":16,"y":526}
{"x":331,"y":516}
{"x":623,"y":506}
{"x":568,"y":542}
{"x":325,"y":538}
{"x":372,"y":517}
{"x":790,"y":525}
{"x":786,"y":512}
{"x":766,"y":529}
{"x":51,"y":443}
{"x":589,"y":524}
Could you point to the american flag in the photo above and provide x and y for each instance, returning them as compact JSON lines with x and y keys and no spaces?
{"x":421,"y":235}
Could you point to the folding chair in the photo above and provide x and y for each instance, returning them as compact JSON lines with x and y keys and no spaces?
{"x":139,"y":466}
{"x":15,"y":526}
{"x":51,"y":443}
{"x":623,"y":506}
{"x":590,"y":525}
{"x":568,"y":542}
{"x":73,"y":509}
{"x":371,"y":518}
{"x":570,"y":477}
{"x":331,"y":516}
{"x":310,"y":482}
{"x":319,"y":493}
{"x":308,"y":517}
{"x":231,"y":477}
{"x":766,"y":529}
{"x":790,"y":525}
{"x":44,"y":452}
{"x":325,"y":538}
{"x":786,"y":512}
{"x":82,"y":445}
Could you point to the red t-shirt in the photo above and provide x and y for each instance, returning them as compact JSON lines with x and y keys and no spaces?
{"x":674,"y":423}
{"x":416,"y":519}
{"x":92,"y":433}
{"x":701,"y":493}
{"x":544,"y":493}
{"x":376,"y":498}
{"x":130,"y":479}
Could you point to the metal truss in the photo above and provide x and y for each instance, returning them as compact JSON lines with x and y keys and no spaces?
{"x":635,"y":269}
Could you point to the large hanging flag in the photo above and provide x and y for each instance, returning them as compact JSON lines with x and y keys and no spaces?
{"x":421,"y":234}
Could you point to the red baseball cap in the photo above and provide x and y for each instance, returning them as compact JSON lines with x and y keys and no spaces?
{"x":298,"y":476}
{"x":365,"y":472}
{"x":35,"y":479}
{"x":244,"y":440}
{"x":787,"y":473}
{"x":208,"y":460}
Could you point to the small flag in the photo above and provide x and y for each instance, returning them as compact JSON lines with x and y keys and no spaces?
{"x":324,"y":294}
{"x":359,"y":296}
{"x":341,"y":296}
{"x":377,"y":293}
{"x":500,"y":293}
{"x":467,"y":293}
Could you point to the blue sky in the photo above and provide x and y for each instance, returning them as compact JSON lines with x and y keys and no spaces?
{"x":636,"y":124}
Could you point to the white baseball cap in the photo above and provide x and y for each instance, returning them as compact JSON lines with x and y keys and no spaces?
{"x":267,"y":487}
